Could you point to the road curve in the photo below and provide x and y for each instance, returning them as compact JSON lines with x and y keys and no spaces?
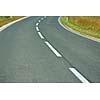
{"x":38,"y":49}
{"x":82,"y":53}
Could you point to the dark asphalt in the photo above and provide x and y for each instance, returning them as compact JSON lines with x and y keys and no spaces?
{"x":83,"y":54}
{"x":24,"y":57}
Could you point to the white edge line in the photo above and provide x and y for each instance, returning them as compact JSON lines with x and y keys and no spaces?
{"x":78,"y":75}
{"x":41,"y":36}
{"x":73,"y":31}
{"x":37,"y":28}
{"x":9,"y":24}
{"x":52,"y":48}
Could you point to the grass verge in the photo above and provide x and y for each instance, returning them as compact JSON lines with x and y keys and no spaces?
{"x":6,"y":19}
{"x":89,"y":25}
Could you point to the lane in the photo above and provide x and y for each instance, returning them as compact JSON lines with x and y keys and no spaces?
{"x":82,"y":54}
{"x":24,"y":57}
{"x":55,"y":51}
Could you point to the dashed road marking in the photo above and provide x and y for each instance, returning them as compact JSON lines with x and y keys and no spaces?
{"x":73,"y":70}
{"x":78,"y":75}
{"x":41,"y":36}
{"x":37,"y":28}
{"x":37,"y":24}
{"x":39,"y":21}
{"x":53,"y":49}
{"x":42,"y":18}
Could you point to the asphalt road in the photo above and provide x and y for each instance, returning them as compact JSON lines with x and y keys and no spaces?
{"x":38,"y":49}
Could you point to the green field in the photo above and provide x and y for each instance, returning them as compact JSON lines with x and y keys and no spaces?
{"x":6,"y":19}
{"x":89,"y":25}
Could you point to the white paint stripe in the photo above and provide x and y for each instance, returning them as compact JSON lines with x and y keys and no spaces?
{"x":37,"y":28}
{"x":42,"y":18}
{"x":52,"y":48}
{"x":77,"y":33}
{"x":41,"y":36}
{"x":78,"y":75}
{"x":9,"y":24}
{"x":39,"y":21}
{"x":37,"y":24}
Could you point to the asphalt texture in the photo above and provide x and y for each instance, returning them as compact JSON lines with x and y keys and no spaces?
{"x":25,"y":58}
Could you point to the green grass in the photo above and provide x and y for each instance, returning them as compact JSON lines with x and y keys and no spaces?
{"x":89,"y":25}
{"x":6,"y":19}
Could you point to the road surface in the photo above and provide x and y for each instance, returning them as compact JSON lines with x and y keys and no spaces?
{"x":38,"y":49}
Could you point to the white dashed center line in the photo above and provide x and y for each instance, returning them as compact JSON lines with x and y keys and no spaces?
{"x":42,"y":18}
{"x":37,"y":28}
{"x":41,"y":36}
{"x":37,"y":24}
{"x":78,"y":75}
{"x":53,"y":49}
{"x":39,"y":21}
{"x":73,"y":70}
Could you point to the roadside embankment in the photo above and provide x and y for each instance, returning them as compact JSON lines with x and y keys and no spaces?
{"x":7,"y":19}
{"x":88,"y":25}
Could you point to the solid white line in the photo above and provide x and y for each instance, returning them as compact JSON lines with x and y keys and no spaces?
{"x":78,"y":75}
{"x":41,"y":36}
{"x":9,"y":24}
{"x":37,"y":28}
{"x":52,"y":48}
{"x":77,"y":33}
{"x":37,"y":24}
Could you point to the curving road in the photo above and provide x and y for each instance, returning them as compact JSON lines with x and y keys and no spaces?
{"x":38,"y":49}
